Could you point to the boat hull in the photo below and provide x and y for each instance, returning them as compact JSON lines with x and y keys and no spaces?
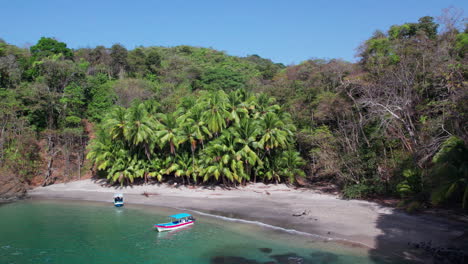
{"x":118,"y":204}
{"x":161,"y":228}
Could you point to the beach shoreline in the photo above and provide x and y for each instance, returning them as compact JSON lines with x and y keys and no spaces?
{"x":354,"y":222}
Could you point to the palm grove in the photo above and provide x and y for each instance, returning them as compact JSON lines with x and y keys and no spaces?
{"x":392,"y":124}
{"x":228,"y":138}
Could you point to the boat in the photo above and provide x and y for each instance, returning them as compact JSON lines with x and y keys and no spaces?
{"x":170,"y":234}
{"x":118,"y":200}
{"x":177,"y":221}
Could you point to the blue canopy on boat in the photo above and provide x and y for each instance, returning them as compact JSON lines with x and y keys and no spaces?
{"x":179,"y":216}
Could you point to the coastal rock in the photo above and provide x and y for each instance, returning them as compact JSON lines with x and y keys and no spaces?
{"x":324,"y":257}
{"x":305,"y":212}
{"x":288,"y":258}
{"x":452,"y":255}
{"x":232,"y":260}
{"x":11,"y":187}
{"x":266,"y":250}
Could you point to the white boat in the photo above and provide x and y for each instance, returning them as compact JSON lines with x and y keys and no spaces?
{"x":177,"y":221}
{"x":118,"y":200}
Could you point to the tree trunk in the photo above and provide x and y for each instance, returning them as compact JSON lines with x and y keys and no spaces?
{"x":50,"y":145}
{"x":49,"y":169}
{"x":2,"y":139}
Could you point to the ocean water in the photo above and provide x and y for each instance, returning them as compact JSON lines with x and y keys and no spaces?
{"x":48,"y":231}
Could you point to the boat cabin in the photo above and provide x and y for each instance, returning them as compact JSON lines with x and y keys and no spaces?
{"x":118,"y":200}
{"x":177,"y":221}
{"x":181,"y":218}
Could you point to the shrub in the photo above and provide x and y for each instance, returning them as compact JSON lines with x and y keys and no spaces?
{"x":413,"y":207}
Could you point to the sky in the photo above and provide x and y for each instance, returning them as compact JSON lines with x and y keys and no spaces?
{"x":288,"y":32}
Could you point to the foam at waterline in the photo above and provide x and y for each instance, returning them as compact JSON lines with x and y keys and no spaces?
{"x":287,"y":230}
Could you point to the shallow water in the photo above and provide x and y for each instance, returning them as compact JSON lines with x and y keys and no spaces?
{"x":83,"y":232}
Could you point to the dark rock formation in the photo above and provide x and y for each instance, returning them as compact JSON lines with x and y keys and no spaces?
{"x":266,"y":250}
{"x":232,"y":260}
{"x":324,"y":257}
{"x":288,"y":258}
{"x":449,"y":255}
{"x":11,"y":188}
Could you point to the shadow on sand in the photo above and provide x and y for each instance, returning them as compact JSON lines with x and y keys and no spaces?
{"x":420,"y":239}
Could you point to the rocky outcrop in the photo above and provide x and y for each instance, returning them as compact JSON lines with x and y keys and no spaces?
{"x":11,"y":187}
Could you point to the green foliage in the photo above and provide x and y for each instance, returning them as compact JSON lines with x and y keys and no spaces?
{"x":413,"y":207}
{"x":450,"y":173}
{"x":47,"y":47}
{"x":426,"y":25}
{"x":13,"y":62}
{"x":371,"y":127}
{"x":119,"y":63}
{"x":100,"y":96}
{"x":411,"y":183}
{"x":357,"y":191}
{"x":222,"y":78}
{"x":237,"y":143}
{"x":380,"y":51}
{"x":266,"y":67}
{"x":461,"y":44}
{"x":153,"y":61}
{"x":73,"y":101}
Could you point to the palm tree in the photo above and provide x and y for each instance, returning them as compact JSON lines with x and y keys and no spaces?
{"x":116,"y":123}
{"x":168,"y":131}
{"x":450,"y":171}
{"x":101,"y":150}
{"x":183,"y":166}
{"x":222,"y":159}
{"x":158,"y":167}
{"x":194,"y":118}
{"x":265,"y":104}
{"x":140,"y":129}
{"x":189,"y":134}
{"x":152,"y":107}
{"x":289,"y":126}
{"x":236,"y":106}
{"x":290,"y":162}
{"x":186,"y":103}
{"x":251,"y":134}
{"x":269,"y":170}
{"x":122,"y":167}
{"x":246,"y":136}
{"x":215,"y":114}
{"x":274,"y":133}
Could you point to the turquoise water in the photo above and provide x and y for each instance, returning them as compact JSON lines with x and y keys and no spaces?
{"x":84,"y":232}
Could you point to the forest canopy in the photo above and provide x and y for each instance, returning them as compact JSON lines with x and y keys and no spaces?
{"x":392,"y":124}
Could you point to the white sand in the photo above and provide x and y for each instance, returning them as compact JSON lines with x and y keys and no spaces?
{"x":365,"y":223}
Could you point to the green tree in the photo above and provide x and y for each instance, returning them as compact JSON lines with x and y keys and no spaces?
{"x":273,"y":135}
{"x":168,"y":132}
{"x":153,"y":61}
{"x":119,"y":63}
{"x":73,"y":101}
{"x":140,"y":129}
{"x":450,"y":173}
{"x":47,"y":47}
{"x":216,"y":113}
{"x":290,"y":163}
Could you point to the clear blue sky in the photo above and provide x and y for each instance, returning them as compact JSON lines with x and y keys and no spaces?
{"x":284,"y":31}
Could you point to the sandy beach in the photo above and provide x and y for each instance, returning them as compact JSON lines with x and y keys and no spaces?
{"x":358,"y":223}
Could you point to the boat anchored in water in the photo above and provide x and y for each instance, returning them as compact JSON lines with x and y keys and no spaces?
{"x":177,"y":221}
{"x":118,"y":200}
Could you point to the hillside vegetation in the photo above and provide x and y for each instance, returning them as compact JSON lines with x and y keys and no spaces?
{"x":392,"y":124}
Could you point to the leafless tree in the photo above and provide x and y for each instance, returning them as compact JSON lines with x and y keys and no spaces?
{"x":451,"y":19}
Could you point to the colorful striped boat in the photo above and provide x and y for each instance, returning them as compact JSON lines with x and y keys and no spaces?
{"x":177,"y":221}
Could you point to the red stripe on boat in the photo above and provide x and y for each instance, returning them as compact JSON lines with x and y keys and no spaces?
{"x":174,"y":225}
